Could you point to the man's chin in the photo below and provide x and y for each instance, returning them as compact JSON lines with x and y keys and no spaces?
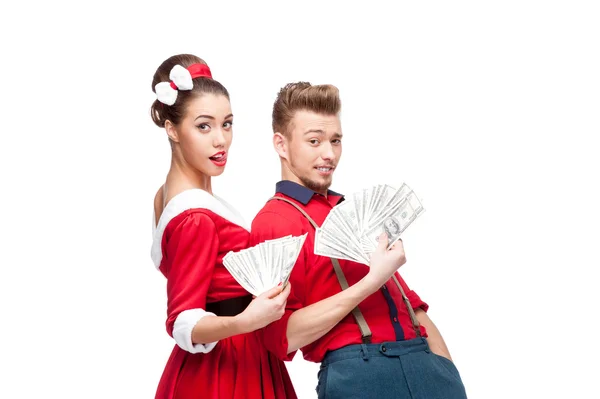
{"x":319,"y":186}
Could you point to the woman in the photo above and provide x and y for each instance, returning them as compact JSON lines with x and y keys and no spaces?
{"x":210,"y":316}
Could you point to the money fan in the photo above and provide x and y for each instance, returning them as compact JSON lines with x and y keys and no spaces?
{"x":352,"y":228}
{"x":258,"y":269}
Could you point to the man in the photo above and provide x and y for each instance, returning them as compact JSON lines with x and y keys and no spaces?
{"x":387,"y":347}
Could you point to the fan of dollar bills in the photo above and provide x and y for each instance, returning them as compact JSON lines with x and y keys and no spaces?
{"x":352,"y":228}
{"x":264,"y":266}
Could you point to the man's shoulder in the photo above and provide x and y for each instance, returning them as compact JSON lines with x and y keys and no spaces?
{"x":278,"y":215}
{"x":278,"y":209}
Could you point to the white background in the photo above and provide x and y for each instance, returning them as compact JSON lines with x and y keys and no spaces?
{"x":489,"y":111}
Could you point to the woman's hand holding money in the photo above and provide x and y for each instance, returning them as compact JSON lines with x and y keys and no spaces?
{"x":265,"y":309}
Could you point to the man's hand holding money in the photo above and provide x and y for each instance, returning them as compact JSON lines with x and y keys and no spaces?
{"x":384,"y":262}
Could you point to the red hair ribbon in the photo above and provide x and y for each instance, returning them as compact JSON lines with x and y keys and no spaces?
{"x":196,"y":71}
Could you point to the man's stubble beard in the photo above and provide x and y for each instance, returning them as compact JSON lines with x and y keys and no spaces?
{"x":311,"y":184}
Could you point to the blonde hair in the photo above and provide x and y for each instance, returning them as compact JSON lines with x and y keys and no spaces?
{"x":302,"y":96}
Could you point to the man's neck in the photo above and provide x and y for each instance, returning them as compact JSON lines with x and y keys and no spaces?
{"x":287,"y":174}
{"x":295,"y":179}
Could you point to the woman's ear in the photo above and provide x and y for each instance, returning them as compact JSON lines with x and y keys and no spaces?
{"x":171,"y":131}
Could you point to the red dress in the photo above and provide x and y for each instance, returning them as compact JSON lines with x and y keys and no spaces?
{"x":193,"y":234}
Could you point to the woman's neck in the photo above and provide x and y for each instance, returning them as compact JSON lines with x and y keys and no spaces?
{"x":182,"y":177}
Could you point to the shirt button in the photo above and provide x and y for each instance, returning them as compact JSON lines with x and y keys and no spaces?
{"x":384,"y":287}
{"x":396,"y":319}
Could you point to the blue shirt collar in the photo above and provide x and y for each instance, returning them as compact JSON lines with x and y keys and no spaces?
{"x":299,"y":192}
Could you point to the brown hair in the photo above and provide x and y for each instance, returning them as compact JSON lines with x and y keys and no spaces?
{"x":302,"y":96}
{"x":162,"y":112}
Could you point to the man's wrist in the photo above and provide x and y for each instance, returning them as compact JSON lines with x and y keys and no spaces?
{"x":369,"y":284}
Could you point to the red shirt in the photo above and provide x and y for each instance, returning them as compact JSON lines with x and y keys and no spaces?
{"x":313,"y":279}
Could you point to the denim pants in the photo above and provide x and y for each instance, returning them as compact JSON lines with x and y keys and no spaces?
{"x":402,"y":369}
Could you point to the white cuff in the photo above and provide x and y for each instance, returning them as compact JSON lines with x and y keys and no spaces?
{"x":182,"y":331}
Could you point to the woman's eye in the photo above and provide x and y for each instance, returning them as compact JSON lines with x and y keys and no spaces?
{"x":227,"y":125}
{"x":204,"y":126}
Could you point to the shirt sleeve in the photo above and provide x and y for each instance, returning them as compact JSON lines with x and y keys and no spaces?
{"x":191,"y":251}
{"x":415,"y":301}
{"x":269,"y":226}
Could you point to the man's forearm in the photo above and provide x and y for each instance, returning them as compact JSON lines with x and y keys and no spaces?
{"x":434,"y":337}
{"x":308,"y":324}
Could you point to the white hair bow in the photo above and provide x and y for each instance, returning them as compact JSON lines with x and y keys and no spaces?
{"x":181,"y":78}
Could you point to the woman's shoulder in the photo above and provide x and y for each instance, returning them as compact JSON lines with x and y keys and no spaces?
{"x":159,"y":204}
{"x":201,"y":202}
{"x":192,"y":211}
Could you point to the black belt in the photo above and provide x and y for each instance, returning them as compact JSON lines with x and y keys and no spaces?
{"x":229,"y":307}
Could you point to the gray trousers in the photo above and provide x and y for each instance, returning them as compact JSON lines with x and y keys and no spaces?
{"x":403,"y":369}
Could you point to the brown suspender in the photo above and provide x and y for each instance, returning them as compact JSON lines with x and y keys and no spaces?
{"x":411,"y":312}
{"x":362,"y":323}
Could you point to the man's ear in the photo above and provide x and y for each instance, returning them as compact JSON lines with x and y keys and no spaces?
{"x":171,"y":131}
{"x":280,"y":143}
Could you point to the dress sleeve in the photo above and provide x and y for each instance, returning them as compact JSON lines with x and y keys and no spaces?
{"x":269,"y":226}
{"x":191,"y":253}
